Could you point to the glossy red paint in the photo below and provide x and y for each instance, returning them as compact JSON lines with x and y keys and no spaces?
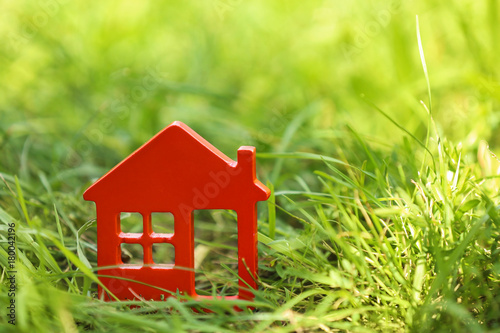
{"x":176,"y":171}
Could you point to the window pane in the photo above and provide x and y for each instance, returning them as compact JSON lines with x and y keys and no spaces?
{"x":216,"y":246}
{"x":131,"y":222}
{"x":132,"y":254}
{"x":162,"y":223}
{"x":163,"y":254}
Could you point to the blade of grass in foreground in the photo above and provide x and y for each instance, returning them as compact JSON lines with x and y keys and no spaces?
{"x":403,"y":129}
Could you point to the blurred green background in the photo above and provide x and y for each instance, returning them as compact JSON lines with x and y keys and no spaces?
{"x":84,"y":84}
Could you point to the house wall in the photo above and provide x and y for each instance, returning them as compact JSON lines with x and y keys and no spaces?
{"x":181,"y":276}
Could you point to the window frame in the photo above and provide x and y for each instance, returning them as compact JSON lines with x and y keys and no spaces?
{"x":146,"y":239}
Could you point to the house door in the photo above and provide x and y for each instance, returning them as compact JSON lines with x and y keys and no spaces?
{"x":216,"y":252}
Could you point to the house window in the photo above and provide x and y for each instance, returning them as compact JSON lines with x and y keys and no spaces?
{"x":132,"y":254}
{"x":131,"y":222}
{"x":145,"y":239}
{"x":163,"y":254}
{"x":162,"y":223}
{"x":216,"y":252}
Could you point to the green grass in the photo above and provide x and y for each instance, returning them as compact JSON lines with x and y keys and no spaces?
{"x":384,"y":213}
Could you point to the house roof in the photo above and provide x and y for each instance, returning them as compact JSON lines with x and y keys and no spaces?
{"x":173,"y":166}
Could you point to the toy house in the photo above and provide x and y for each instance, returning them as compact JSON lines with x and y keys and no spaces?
{"x":177,"y":171}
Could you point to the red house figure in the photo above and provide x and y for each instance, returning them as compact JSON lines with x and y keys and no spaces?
{"x":177,"y":171}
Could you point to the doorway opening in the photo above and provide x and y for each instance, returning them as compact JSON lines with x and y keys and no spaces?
{"x":216,"y":252}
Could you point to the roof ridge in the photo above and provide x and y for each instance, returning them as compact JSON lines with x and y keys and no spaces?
{"x":176,"y":124}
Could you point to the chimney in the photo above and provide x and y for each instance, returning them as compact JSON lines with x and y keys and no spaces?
{"x":246,"y":162}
